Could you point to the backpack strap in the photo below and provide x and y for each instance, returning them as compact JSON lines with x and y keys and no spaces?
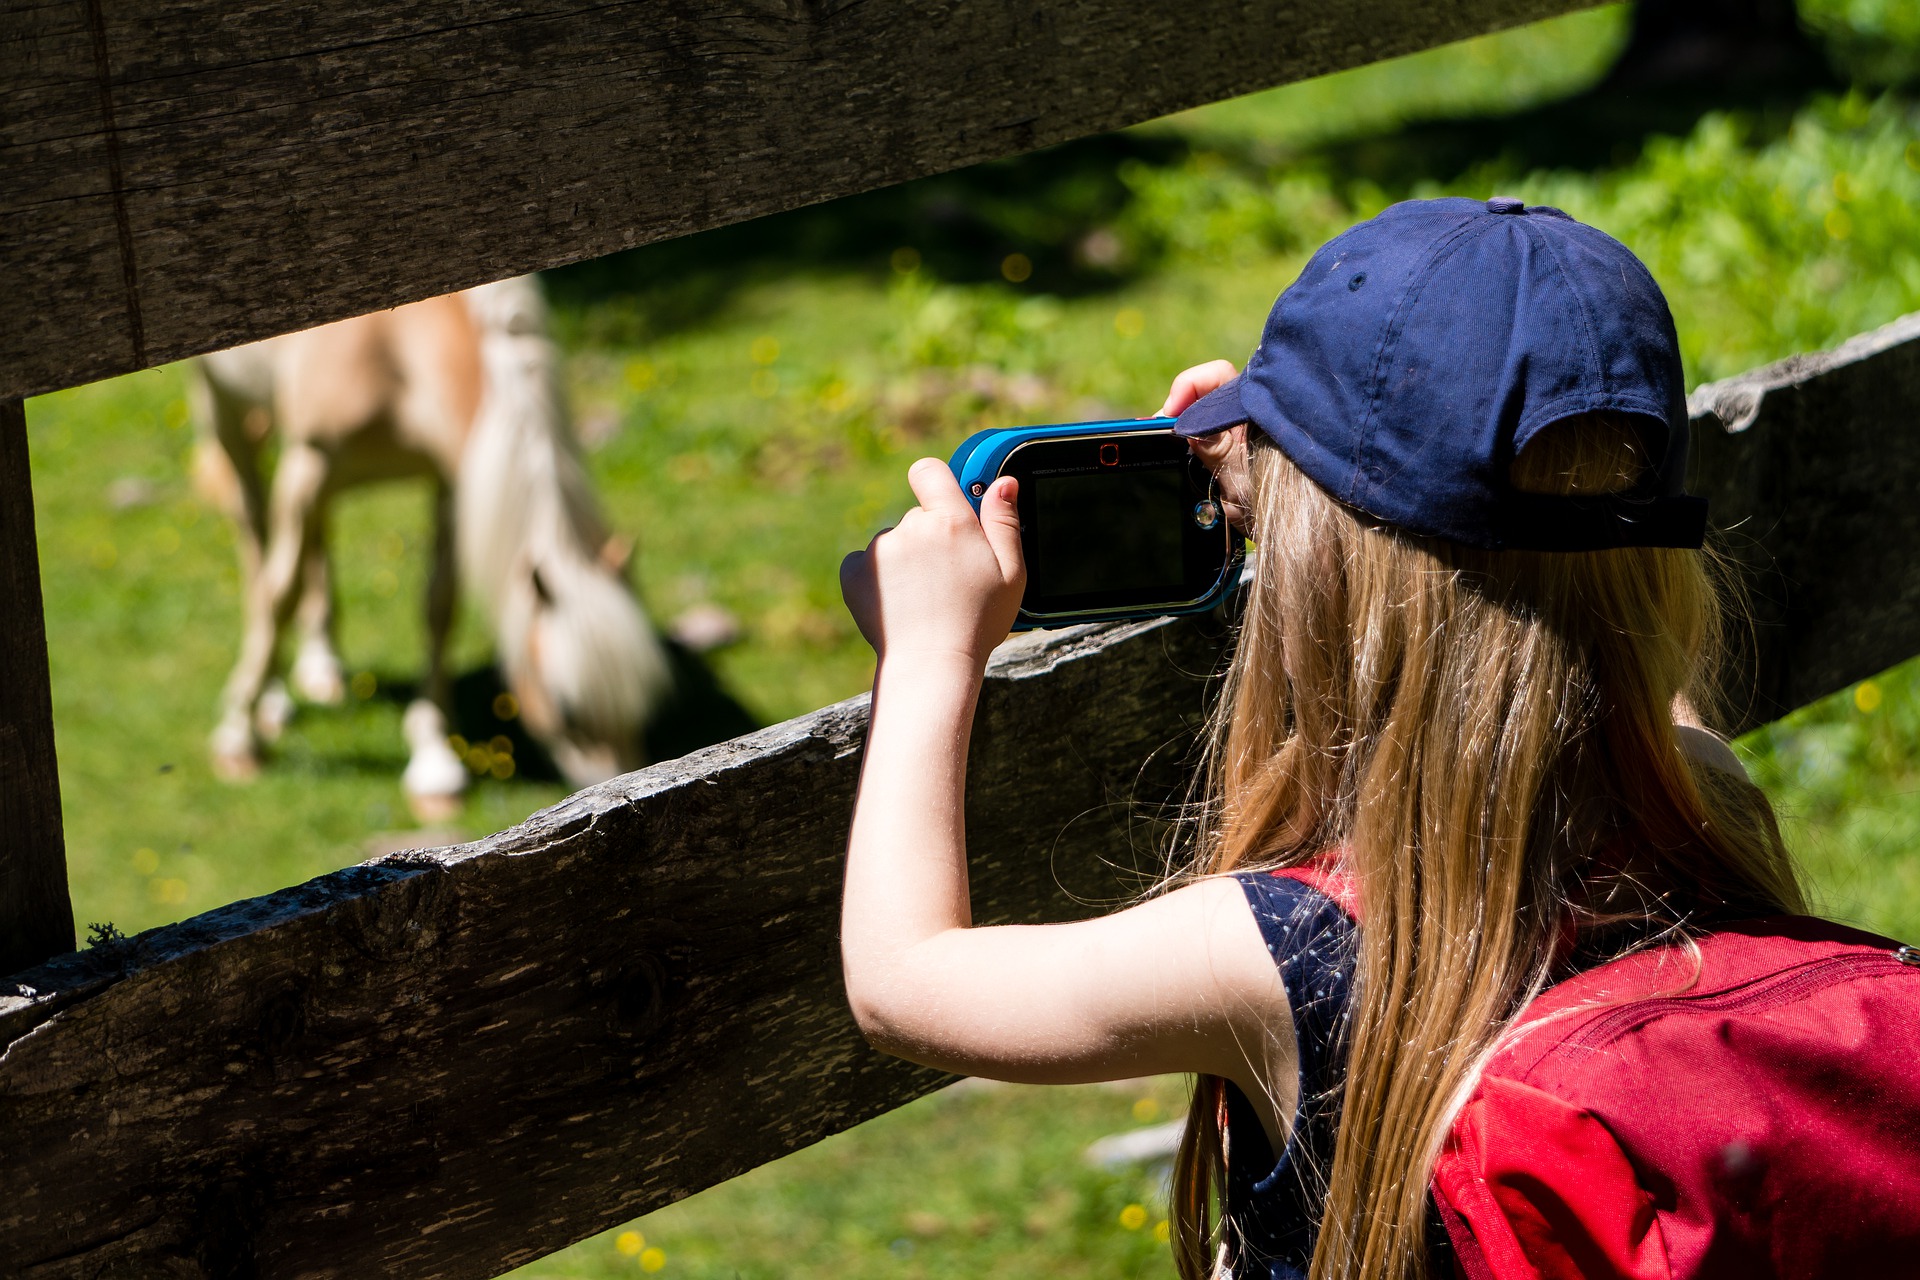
{"x":1328,"y":872}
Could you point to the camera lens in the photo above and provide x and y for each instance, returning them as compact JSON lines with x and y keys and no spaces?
{"x":1206,"y":513}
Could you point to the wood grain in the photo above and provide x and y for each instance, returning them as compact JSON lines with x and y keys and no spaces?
{"x":445,"y":1064}
{"x":36,"y":916}
{"x":1812,"y":467}
{"x":182,"y":175}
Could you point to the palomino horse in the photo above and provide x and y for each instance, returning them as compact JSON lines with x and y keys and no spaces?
{"x":465,"y":390}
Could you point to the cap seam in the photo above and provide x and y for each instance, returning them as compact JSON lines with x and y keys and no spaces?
{"x":1598,"y":366}
{"x":1444,"y":247}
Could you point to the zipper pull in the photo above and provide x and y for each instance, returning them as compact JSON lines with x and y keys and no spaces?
{"x":1908,"y":955}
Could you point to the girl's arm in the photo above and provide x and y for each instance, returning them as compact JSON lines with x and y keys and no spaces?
{"x":1180,"y":983}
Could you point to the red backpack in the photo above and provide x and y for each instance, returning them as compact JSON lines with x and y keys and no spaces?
{"x":1746,"y":1106}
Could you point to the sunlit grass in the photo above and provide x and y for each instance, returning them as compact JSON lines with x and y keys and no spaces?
{"x":967,"y":1182}
{"x":1507,"y":71}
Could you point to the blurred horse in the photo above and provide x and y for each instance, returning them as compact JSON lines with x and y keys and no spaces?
{"x":464,"y":390}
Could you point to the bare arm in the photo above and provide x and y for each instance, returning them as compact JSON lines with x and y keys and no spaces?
{"x":1180,"y":983}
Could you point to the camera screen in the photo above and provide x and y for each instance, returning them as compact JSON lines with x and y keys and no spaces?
{"x":1110,"y":532}
{"x":1116,"y":523}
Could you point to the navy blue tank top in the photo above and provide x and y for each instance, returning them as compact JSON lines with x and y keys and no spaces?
{"x":1273,"y":1205}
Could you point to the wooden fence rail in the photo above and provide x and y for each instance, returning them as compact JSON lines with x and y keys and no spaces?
{"x":182,"y":175}
{"x":36,"y":917}
{"x":447,"y":1063}
{"x":1812,"y":465}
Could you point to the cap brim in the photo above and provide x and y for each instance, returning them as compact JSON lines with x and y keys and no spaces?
{"x":1215,"y":411}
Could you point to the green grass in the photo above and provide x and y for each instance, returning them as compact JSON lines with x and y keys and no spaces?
{"x":753,"y":442}
{"x":143,"y":622}
{"x":966,"y":1182}
{"x":1509,"y":71}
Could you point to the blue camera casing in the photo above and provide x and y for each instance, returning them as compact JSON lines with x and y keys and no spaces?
{"x":977,"y":462}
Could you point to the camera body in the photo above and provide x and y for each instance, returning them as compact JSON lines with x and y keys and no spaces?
{"x":1117,"y":519}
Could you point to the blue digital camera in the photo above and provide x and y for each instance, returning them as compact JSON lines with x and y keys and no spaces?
{"x":1117,"y":519}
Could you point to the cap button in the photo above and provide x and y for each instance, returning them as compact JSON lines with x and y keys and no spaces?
{"x":1506,"y":204}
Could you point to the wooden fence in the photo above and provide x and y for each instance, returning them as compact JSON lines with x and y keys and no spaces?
{"x":446,"y":1063}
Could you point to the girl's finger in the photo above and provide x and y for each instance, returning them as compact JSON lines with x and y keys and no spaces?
{"x":1190,"y":384}
{"x":934,"y":485}
{"x":1000,"y":520}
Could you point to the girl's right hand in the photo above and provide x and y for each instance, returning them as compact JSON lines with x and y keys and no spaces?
{"x":944,"y":581}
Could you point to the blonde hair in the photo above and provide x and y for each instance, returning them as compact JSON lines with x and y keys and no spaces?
{"x":1486,"y":739}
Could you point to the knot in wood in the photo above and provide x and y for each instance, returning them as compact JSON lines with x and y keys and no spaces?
{"x":283,"y":1020}
{"x":406,"y":917}
{"x":640,"y":997}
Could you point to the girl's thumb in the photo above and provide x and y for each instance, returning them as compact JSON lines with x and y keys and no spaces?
{"x":1000,"y":521}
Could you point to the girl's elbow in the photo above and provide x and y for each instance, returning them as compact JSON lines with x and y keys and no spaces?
{"x":903,"y":1000}
{"x":875,"y":1006}
{"x":880,"y":1034}
{"x":881,"y":1023}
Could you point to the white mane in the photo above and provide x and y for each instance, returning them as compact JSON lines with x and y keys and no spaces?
{"x":532,"y":547}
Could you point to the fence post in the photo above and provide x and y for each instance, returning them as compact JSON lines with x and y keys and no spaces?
{"x":36,"y":915}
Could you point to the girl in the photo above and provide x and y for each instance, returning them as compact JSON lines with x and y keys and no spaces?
{"x":1459,"y":705}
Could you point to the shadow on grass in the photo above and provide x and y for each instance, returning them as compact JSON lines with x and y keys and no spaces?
{"x":1683,"y":59}
{"x":697,"y":713}
{"x":1606,"y":128}
{"x":1048,"y":206}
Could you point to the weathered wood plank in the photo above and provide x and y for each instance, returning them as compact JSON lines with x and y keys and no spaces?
{"x":36,"y":916}
{"x":182,"y":175}
{"x":1812,"y":466}
{"x":444,"y":1064}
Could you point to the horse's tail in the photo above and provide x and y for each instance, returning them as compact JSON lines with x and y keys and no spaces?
{"x":575,"y":644}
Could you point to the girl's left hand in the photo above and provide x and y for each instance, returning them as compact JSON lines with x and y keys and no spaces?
{"x":943,"y":581}
{"x":1223,"y":453}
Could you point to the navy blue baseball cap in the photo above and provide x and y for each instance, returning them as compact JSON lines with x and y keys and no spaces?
{"x":1419,"y":351}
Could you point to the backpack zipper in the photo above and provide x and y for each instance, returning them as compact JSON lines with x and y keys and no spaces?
{"x":1805,"y":979}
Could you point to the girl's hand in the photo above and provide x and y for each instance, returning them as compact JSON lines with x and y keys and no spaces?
{"x":942,"y":581}
{"x":1191,"y":384}
{"x":1225,"y":452}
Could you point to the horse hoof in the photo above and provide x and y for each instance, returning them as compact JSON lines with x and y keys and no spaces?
{"x":229,"y":767}
{"x":231,"y":748}
{"x":273,"y":712}
{"x":430,"y":810}
{"x":317,"y":677}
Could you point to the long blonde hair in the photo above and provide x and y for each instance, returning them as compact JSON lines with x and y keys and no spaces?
{"x":1486,"y":739}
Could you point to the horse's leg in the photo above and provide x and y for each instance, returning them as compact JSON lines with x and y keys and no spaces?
{"x":435,"y":776}
{"x":299,"y":486}
{"x":317,"y":673}
{"x":226,"y":462}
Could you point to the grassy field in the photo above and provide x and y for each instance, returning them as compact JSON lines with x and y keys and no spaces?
{"x":754,"y":396}
{"x":970,"y":1181}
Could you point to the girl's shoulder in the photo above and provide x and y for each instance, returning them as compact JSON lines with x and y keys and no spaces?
{"x":1324,"y":875}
